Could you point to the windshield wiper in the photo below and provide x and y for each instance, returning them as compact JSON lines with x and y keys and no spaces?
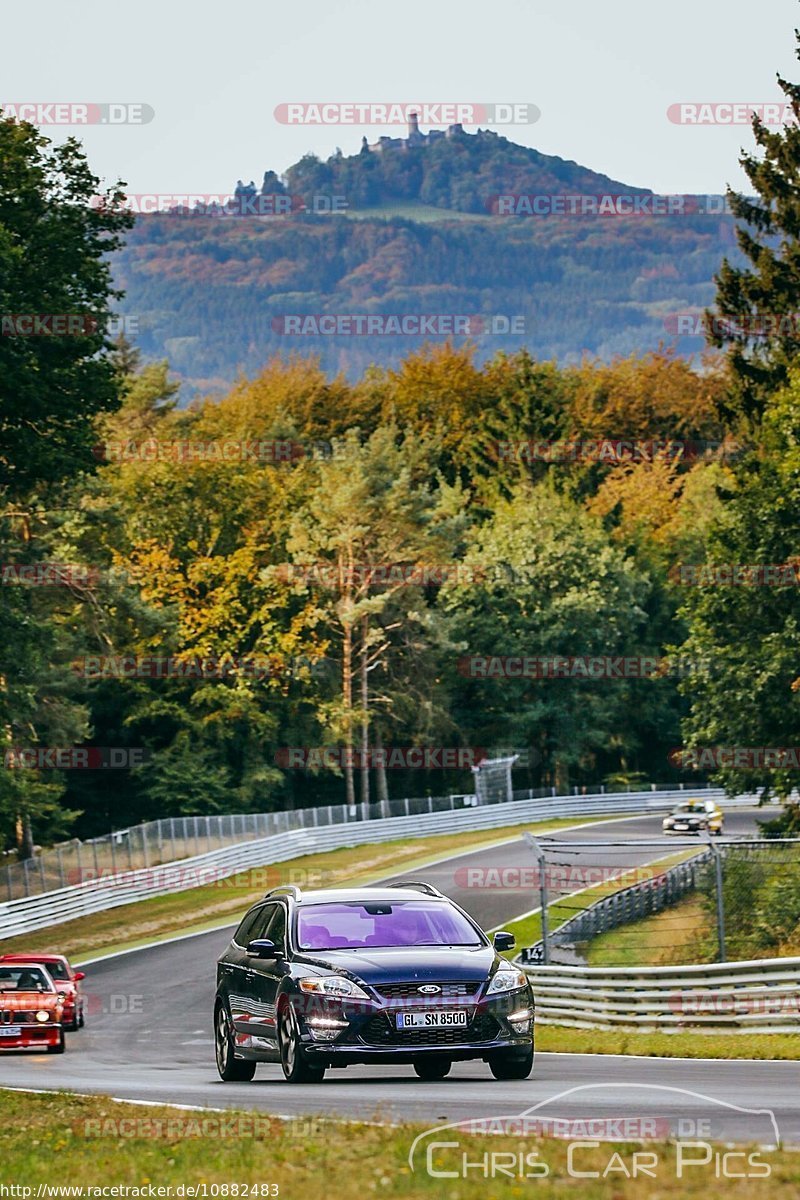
{"x":444,"y":944}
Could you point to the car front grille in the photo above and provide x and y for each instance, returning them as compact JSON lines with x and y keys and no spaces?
{"x":380,"y":1031}
{"x":405,"y":991}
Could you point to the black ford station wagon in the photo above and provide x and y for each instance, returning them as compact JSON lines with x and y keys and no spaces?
{"x":392,"y":974}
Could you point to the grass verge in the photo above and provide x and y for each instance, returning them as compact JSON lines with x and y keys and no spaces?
{"x":225,"y":900}
{"x":87,"y":1142}
{"x":563,"y":1040}
{"x":667,"y":938}
{"x":528,"y":929}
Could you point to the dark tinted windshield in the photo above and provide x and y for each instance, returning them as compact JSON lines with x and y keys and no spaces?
{"x":353,"y":926}
{"x":56,"y":970}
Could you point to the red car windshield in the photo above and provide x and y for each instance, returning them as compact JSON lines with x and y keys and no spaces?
{"x":360,"y":924}
{"x":57,"y":970}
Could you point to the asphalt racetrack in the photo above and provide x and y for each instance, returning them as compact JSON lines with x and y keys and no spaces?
{"x":149,"y":1034}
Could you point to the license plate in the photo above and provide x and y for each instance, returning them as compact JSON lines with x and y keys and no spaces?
{"x":680,"y":827}
{"x":431,"y":1020}
{"x":11,"y":1031}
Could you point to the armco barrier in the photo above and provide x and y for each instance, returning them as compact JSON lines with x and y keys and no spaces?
{"x":762,"y":996}
{"x":97,"y":895}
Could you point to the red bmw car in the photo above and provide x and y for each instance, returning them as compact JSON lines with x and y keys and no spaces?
{"x":31,"y":1009}
{"x":67,"y":982}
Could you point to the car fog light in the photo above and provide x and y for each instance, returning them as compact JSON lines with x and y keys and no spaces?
{"x":42,"y":1016}
{"x":520,"y":1021}
{"x":325,"y":1029}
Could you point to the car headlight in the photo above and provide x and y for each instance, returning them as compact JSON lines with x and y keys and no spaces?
{"x":42,"y":1016}
{"x":506,"y":981}
{"x":331,"y":985}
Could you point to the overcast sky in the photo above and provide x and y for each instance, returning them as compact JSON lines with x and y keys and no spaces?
{"x":603,"y":76}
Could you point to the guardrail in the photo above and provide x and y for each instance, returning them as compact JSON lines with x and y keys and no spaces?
{"x":124,"y":886}
{"x":171,"y":838}
{"x":761,"y":996}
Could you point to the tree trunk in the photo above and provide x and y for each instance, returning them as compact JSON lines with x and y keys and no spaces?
{"x":364,"y":720}
{"x":347,"y":696}
{"x":24,"y":836}
{"x":381,"y":786}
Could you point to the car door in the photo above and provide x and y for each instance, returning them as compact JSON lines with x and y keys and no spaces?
{"x":236,"y":971}
{"x":266,"y":976}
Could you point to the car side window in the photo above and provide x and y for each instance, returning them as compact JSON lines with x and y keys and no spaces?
{"x":266,"y":915}
{"x":245,"y":933}
{"x":276,"y":929}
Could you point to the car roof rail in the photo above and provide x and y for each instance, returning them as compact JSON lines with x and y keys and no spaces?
{"x":428,"y":888}
{"x":285,"y":889}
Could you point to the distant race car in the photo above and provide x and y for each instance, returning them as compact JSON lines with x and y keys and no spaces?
{"x":66,"y":979}
{"x":695,"y":816}
{"x":31,"y":1009}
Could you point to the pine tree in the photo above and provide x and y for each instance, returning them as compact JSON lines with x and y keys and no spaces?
{"x":758,"y":305}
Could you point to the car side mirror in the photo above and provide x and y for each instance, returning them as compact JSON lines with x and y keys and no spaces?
{"x":504,"y":941}
{"x":78,"y":976}
{"x":262,"y":948}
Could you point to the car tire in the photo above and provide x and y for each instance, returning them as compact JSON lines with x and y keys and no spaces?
{"x":296,"y":1068}
{"x":60,"y":1045}
{"x":433,"y":1067}
{"x":81,"y":1020}
{"x":230,"y":1068}
{"x":506,"y":1066}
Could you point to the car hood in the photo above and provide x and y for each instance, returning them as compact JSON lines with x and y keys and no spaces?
{"x":25,"y":1000}
{"x":417,"y":963}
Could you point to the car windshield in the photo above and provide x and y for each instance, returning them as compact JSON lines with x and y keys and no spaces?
{"x":358,"y":924}
{"x":689,"y":808}
{"x":56,"y":970}
{"x":25,"y":979}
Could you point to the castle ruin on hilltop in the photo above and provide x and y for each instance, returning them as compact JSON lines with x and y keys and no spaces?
{"x":415,"y":137}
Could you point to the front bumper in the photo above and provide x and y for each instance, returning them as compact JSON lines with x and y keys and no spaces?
{"x":368,"y":1031}
{"x":32,"y":1037}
